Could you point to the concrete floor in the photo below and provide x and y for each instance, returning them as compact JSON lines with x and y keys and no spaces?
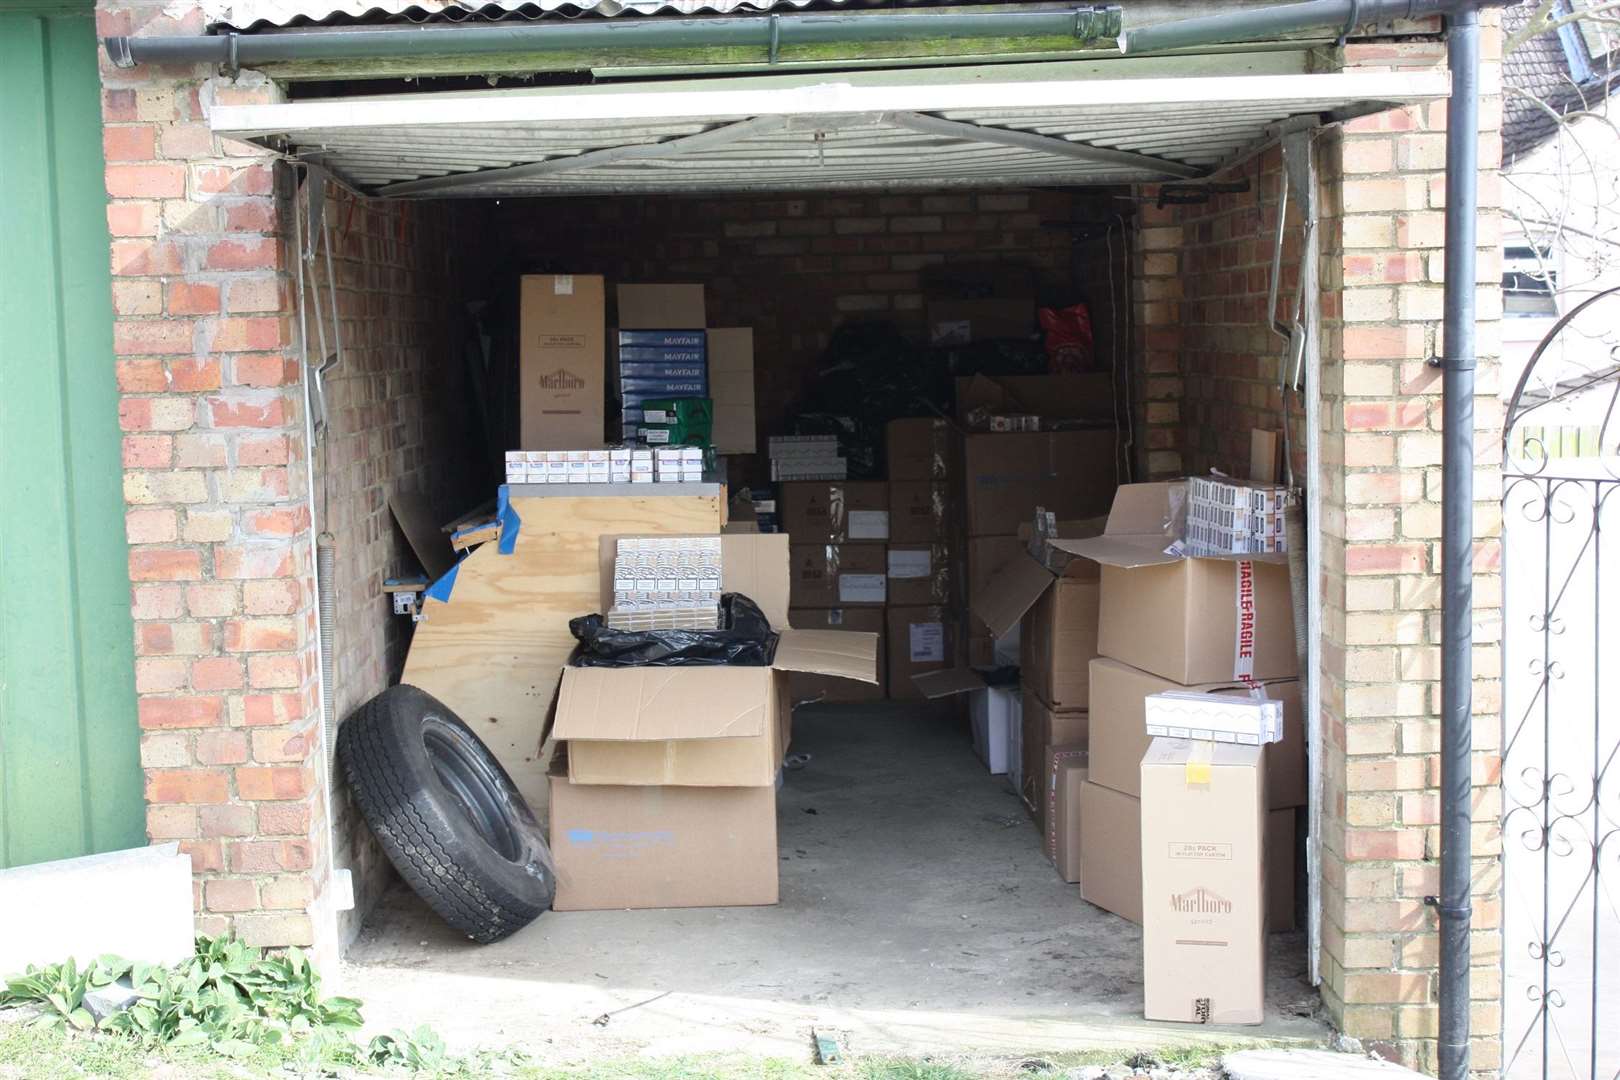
{"x":918,"y":915}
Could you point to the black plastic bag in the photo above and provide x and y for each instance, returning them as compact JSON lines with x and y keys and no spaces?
{"x":746,"y":641}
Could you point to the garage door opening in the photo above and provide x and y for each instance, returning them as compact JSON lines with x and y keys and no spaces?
{"x":918,"y":908}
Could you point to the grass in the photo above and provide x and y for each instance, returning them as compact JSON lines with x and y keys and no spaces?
{"x":32,"y":1053}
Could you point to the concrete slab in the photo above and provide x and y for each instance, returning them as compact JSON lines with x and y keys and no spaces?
{"x":135,"y":904}
{"x":1311,"y":1065}
{"x":918,"y":915}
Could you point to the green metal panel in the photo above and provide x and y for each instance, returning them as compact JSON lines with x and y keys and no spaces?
{"x":70,"y":775}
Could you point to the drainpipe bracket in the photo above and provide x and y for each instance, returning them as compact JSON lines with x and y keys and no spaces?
{"x":1454,"y":363}
{"x":1449,"y":911}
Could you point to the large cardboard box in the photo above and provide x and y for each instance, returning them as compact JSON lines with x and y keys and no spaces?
{"x":1203,"y":882}
{"x":1054,"y":397}
{"x":921,"y":574}
{"x":839,"y":575}
{"x":920,"y":448}
{"x":920,"y":512}
{"x":988,"y":557}
{"x":1065,"y":778}
{"x":1111,"y":856}
{"x":921,"y":639}
{"x":1006,"y":475}
{"x":962,"y":321}
{"x":659,"y":847}
{"x":562,"y":361}
{"x":731,"y":386}
{"x":720,"y":726}
{"x":1044,"y":728}
{"x":1053,"y":601}
{"x":1119,"y":735}
{"x":1190,"y":619}
{"x":661,"y":307}
{"x":867,"y":620}
{"x":834,"y":512}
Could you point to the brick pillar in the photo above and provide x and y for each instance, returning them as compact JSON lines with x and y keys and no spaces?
{"x":1383,"y":272}
{"x":1159,"y":264}
{"x":220,"y":557}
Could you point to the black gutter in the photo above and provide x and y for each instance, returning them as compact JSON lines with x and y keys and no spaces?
{"x":767,"y":33}
{"x":1454,"y":904}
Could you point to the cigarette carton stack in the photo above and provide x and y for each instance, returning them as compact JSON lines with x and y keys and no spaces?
{"x":666,"y":583}
{"x":807,"y":457}
{"x":1234,"y":517}
{"x":678,"y":464}
{"x":657,"y":364}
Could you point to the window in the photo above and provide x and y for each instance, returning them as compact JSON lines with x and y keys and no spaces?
{"x":1529,"y":282}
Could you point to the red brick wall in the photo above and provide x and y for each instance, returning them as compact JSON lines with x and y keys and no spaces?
{"x":795,"y":267}
{"x":1207,"y":366}
{"x":397,"y":422}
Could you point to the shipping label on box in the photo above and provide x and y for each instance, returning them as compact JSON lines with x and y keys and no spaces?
{"x":927,"y":642}
{"x":868,"y":524}
{"x":862,"y":588}
{"x":907,"y":563}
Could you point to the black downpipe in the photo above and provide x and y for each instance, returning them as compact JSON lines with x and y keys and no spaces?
{"x":1454,"y":904}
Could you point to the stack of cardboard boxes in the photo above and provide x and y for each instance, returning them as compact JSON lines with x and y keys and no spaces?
{"x":1066,"y":465}
{"x":924,"y":617}
{"x":1216,"y":625}
{"x":664,"y":791}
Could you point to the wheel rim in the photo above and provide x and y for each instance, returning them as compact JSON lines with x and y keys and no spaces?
{"x":472,"y":783}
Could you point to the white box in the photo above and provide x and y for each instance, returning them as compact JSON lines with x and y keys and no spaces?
{"x":990,"y":712}
{"x":1231,"y":717}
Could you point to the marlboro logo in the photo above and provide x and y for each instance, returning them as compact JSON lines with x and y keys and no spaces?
{"x":561,"y":379}
{"x":1200,"y":901}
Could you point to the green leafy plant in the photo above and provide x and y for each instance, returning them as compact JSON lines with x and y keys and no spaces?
{"x":417,"y":1050}
{"x":229,"y":997}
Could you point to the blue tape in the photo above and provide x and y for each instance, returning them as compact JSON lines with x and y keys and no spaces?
{"x":440,"y":590}
{"x":510,"y":522}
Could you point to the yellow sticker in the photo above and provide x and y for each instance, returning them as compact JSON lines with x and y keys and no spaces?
{"x":1197,"y":772}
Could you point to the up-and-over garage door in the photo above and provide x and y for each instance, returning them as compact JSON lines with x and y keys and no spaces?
{"x":1036,"y":124}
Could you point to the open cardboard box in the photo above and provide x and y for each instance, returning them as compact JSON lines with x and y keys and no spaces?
{"x":714,"y":726}
{"x":1191,"y":619}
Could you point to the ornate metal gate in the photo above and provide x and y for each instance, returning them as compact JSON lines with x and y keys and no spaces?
{"x":1561,"y":708}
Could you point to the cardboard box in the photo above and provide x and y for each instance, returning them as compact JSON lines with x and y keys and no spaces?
{"x":920,"y":448}
{"x":991,"y":713}
{"x":562,"y":361}
{"x":839,"y":575}
{"x":1044,"y":728}
{"x":921,"y":639}
{"x":920,"y":512}
{"x":1065,"y":776}
{"x":959,"y":322}
{"x":1111,"y":850}
{"x":1052,"y":397}
{"x":661,"y":307}
{"x":1111,"y":856}
{"x":1007,"y":475}
{"x":703,"y":726}
{"x":1054,"y":603}
{"x":659,"y":847}
{"x":921,"y":574}
{"x":1119,"y":735}
{"x":731,"y":385}
{"x":867,"y":620}
{"x":1203,"y":882}
{"x":1190,"y":619}
{"x":987,"y":558}
{"x":834,"y":512}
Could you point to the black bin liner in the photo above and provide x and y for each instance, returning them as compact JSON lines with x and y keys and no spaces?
{"x":747,"y":640}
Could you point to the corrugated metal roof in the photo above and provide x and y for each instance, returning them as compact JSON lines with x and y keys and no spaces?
{"x":984,"y":126}
{"x":268,"y":14}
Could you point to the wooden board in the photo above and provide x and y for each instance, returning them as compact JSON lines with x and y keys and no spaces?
{"x":494,"y":651}
{"x":415,"y":519}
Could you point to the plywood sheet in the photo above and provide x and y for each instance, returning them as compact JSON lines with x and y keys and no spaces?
{"x":494,"y":651}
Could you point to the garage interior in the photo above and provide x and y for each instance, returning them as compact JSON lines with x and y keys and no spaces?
{"x":918,"y":911}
